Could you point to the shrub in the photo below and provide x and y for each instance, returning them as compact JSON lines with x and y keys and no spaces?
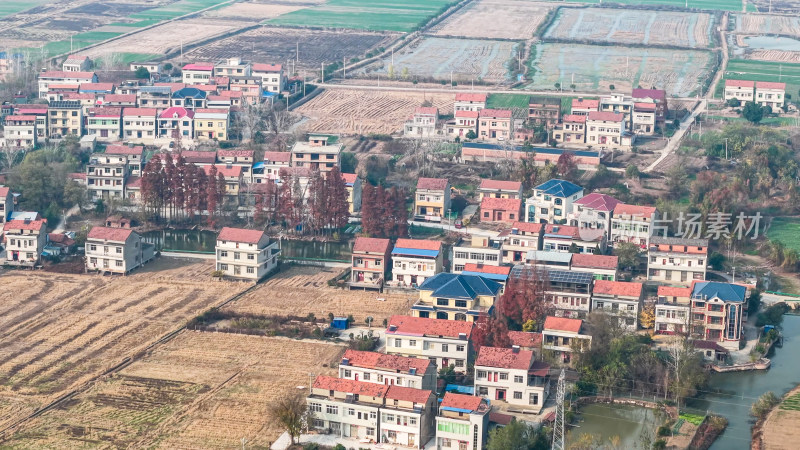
{"x":663,"y":430}
{"x":660,"y":444}
{"x":217,"y":274}
{"x":764,"y":404}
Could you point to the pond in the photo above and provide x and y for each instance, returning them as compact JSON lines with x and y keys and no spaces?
{"x":609,"y":422}
{"x":773,"y":43}
{"x":205,"y":240}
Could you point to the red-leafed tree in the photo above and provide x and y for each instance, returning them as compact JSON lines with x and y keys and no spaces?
{"x":566,"y":165}
{"x":491,"y":332}
{"x":316,"y":202}
{"x":211,"y":195}
{"x":525,"y":298}
{"x":367,"y":210}
{"x":383,"y":212}
{"x":266,"y":203}
{"x":152,"y":189}
{"x":337,"y":207}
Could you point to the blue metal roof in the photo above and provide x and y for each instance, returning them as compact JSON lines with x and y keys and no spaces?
{"x":258,"y":165}
{"x":460,"y":389}
{"x":451,"y":285}
{"x":189,"y":92}
{"x":415,"y":252}
{"x":491,"y":276}
{"x":724,"y":291}
{"x":559,"y":188}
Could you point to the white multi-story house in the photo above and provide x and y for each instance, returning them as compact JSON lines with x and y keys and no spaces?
{"x":374,"y":367}
{"x":560,"y":333}
{"x":133,"y":153}
{"x":232,"y":67}
{"x":564,"y":238}
{"x":20,"y":131}
{"x":139,"y":125}
{"x":270,"y":168}
{"x":242,"y":158}
{"x":462,"y":422}
{"x":106,"y":176}
{"x":104,"y":123}
{"x":479,"y":250}
{"x":321,"y":152}
{"x":619,"y":298}
{"x":76,"y":63}
{"x":246,"y":254}
{"x":25,"y":241}
{"x":742,"y":90}
{"x":718,"y":312}
{"x":462,"y":123}
{"x":407,"y":418}
{"x":644,"y":118}
{"x":116,"y":250}
{"x":468,"y":101}
{"x":617,"y":103}
{"x":632,"y":223}
{"x":601,"y":267}
{"x":673,"y":310}
{"x":571,"y":130}
{"x":63,"y":77}
{"x":593,"y":211}
{"x":272,"y":79}
{"x":197,"y":73}
{"x":677,"y":260}
{"x":176,"y":118}
{"x":415,"y":260}
{"x":513,"y":376}
{"x":6,"y":204}
{"x":608,"y":130}
{"x":422,"y":123}
{"x":520,"y":239}
{"x":771,"y":94}
{"x":552,"y":201}
{"x":444,"y":341}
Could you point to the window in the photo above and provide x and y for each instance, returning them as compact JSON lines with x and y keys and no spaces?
{"x":366,"y":377}
{"x":398,"y":342}
{"x":250,"y":270}
{"x":480,"y":374}
{"x":412,"y":343}
{"x":503,"y":376}
{"x":370,"y":431}
{"x":119,"y":263}
{"x":351,"y":412}
{"x":459,"y":363}
{"x":315,"y":407}
{"x":534,"y":399}
{"x":459,"y":348}
{"x":518,"y":379}
{"x":251,"y":256}
{"x":373,"y":415}
{"x":223,"y":267}
{"x":444,"y":348}
{"x":517,"y":395}
{"x":461,"y":303}
{"x":332,"y":409}
{"x":442,"y":302}
{"x":119,"y":249}
{"x":347,"y":373}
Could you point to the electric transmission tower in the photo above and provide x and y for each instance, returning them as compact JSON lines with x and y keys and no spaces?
{"x":558,"y":424}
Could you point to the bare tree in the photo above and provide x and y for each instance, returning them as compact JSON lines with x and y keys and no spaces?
{"x":10,"y":155}
{"x":278,"y":119}
{"x":292,"y":413}
{"x":110,"y":61}
{"x":250,"y":120}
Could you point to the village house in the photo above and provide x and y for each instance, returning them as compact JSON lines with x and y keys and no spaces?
{"x":139,"y":125}
{"x":657,"y":96}
{"x":552,"y":201}
{"x":677,"y":260}
{"x":462,"y":422}
{"x":45,"y":79}
{"x":223,"y":101}
{"x":370,"y":263}
{"x":20,"y":132}
{"x":521,"y":238}
{"x":120,"y":100}
{"x":711,"y":351}
{"x":446,"y":342}
{"x":462,"y":123}
{"x":494,"y":124}
{"x":544,"y":110}
{"x":353,"y":185}
{"x":527,"y":340}
{"x":134,"y":155}
{"x":176,"y":120}
{"x":380,"y":368}
{"x":467,"y":101}
{"x":500,"y":209}
{"x":452,"y":296}
{"x":771,"y":94}
{"x":473,"y":152}
{"x":190,"y":98}
{"x":104,"y":123}
{"x":87,"y":101}
{"x":152,"y":67}
{"x":422,"y":124}
{"x":211,"y":124}
{"x":199,"y":158}
{"x":608,"y":130}
{"x":619,"y":298}
{"x":6,"y":204}
{"x":232,"y":66}
{"x":233,"y":179}
{"x":432,"y":199}
{"x":718,"y":312}
{"x":632,"y":223}
{"x":742,"y":90}
{"x":644,"y":119}
{"x":564,"y":238}
{"x":65,"y":118}
{"x":76,"y":63}
{"x":549,"y":259}
{"x":269,"y":169}
{"x":250,"y":87}
{"x":158,"y":97}
{"x":321,"y":152}
{"x":25,"y":241}
{"x":499,"y":189}
{"x":499,"y":274}
{"x":197,"y":73}
{"x":602,"y":267}
{"x":37,"y":110}
{"x":68,"y":91}
{"x":583,"y":106}
{"x":116,"y":250}
{"x":617,"y":103}
{"x":569,"y":292}
{"x":243,"y":158}
{"x":415,"y":260}
{"x":272,"y":78}
{"x":571,"y":130}
{"x":559,"y":335}
{"x":593,"y":212}
{"x":673,"y":310}
{"x":407,"y":419}
{"x":246,"y":254}
{"x":98,"y":89}
{"x":477,"y":250}
{"x":512,"y":376}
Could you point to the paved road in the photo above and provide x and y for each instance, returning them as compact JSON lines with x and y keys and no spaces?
{"x":466,"y":230}
{"x":675,"y":140}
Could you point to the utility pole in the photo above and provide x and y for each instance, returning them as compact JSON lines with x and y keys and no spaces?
{"x":344,"y":67}
{"x":558,"y":424}
{"x":322,"y":71}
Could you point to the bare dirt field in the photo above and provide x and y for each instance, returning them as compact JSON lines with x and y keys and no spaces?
{"x":349,"y":112}
{"x":199,"y":390}
{"x":752,"y":23}
{"x":253,"y":12}
{"x":784,"y":6}
{"x":495,"y":19}
{"x":780,"y":431}
{"x":279,"y":45}
{"x":774,"y":55}
{"x":303,"y":289}
{"x":57,"y":331}
{"x":683,"y":29}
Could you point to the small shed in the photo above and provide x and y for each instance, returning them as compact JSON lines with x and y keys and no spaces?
{"x":340,"y":323}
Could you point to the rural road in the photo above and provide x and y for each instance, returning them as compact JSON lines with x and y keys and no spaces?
{"x":675,"y":140}
{"x":723,"y":39}
{"x":466,"y":230}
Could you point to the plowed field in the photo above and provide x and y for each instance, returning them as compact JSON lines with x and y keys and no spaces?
{"x":495,"y":19}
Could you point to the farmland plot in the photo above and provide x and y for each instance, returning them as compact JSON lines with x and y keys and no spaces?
{"x":767,"y":48}
{"x":363,"y":112}
{"x":692,"y":30}
{"x":752,"y":23}
{"x":199,"y":390}
{"x":303,"y":290}
{"x":596,"y":68}
{"x":495,"y":19}
{"x":745,"y":69}
{"x":465,"y":59}
{"x":58,"y":331}
{"x":251,"y":11}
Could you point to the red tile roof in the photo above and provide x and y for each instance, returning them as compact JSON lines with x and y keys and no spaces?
{"x":134,"y":182}
{"x":740,"y":83}
{"x":467,"y":114}
{"x":640,"y":106}
{"x":148,"y":112}
{"x":172,"y":86}
{"x":110,"y":234}
{"x":673,"y":291}
{"x":585,"y":103}
{"x":350,"y":386}
{"x":563,"y":324}
{"x":500,"y":418}
{"x":199,"y":66}
{"x":621,"y":288}
{"x":35,"y":225}
{"x":500,"y":185}
{"x":277,"y":156}
{"x":97,"y":86}
{"x":60,"y":86}
{"x":606,"y":116}
{"x":574,"y":118}
{"x":438,"y":184}
{"x":21,"y":118}
{"x":505,"y":204}
{"x":240,"y":235}
{"x":350,"y":178}
{"x":770,"y":85}
{"x":499,"y":113}
{"x":105,"y":112}
{"x":595,"y":261}
{"x":180,"y":111}
{"x":61,"y":238}
{"x":77,"y":96}
{"x":655,"y":94}
{"x":227,"y":172}
{"x":70,"y":75}
{"x":427,"y":110}
{"x":419,"y":244}
{"x":634,"y":210}
{"x":483,"y":268}
{"x":127,"y":98}
{"x":211,"y":111}
{"x":470,"y":97}
{"x":407,"y":394}
{"x":525,"y":339}
{"x":562,"y":230}
{"x":528,"y":227}
{"x":599,"y":202}
{"x":260,"y":67}
{"x":4,"y":190}
{"x":375,"y":360}
{"x":124,"y":150}
{"x":419,"y":326}
{"x":371,"y":245}
{"x":72,"y":176}
{"x":504,"y":358}
{"x":236,"y":153}
{"x":231,"y":94}
{"x":461,"y":401}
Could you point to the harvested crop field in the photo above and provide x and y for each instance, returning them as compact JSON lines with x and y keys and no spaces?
{"x":495,"y":19}
{"x":58,"y":331}
{"x":350,"y":112}
{"x":465,"y":59}
{"x":199,"y":390}
{"x":604,"y":25}
{"x":302,"y":290}
{"x":751,"y":23}
{"x":252,"y":12}
{"x":595,"y":68}
{"x":279,"y":45}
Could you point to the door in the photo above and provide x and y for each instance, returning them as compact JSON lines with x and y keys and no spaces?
{"x":501,"y":394}
{"x":237,"y":270}
{"x":360,"y":276}
{"x":356,"y":377}
{"x":445,"y":362}
{"x":411,"y":440}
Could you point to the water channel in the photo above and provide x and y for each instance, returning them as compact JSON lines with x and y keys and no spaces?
{"x":608,"y":421}
{"x":204,"y":241}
